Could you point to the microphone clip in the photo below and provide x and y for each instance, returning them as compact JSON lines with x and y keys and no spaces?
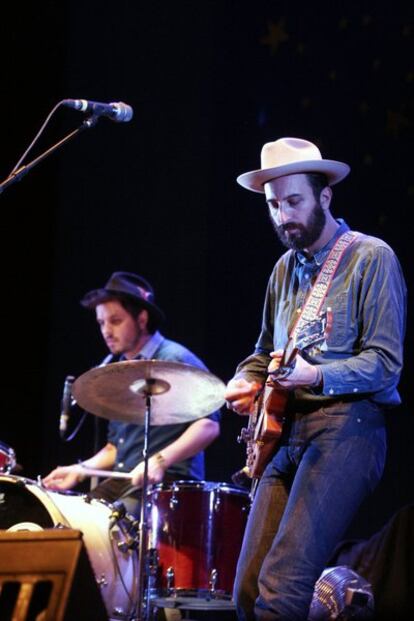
{"x":118,"y":513}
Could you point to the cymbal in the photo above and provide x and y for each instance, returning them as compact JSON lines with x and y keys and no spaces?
{"x":179,"y":392}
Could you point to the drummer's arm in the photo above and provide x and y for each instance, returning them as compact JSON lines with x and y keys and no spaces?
{"x":195,"y":438}
{"x":103,"y":459}
{"x":66,"y":477}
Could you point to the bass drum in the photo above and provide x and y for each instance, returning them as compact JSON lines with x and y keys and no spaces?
{"x":197,"y":529}
{"x":25,"y":505}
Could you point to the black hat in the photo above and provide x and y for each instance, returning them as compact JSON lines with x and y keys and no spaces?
{"x":125,"y":284}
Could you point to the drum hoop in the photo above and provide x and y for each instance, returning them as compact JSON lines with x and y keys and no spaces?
{"x":40,"y":493}
{"x":6,"y":447}
{"x":226,"y":487}
{"x":174,"y":485}
{"x":209,"y":486}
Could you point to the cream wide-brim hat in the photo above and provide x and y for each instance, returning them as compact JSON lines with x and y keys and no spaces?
{"x":288,"y":156}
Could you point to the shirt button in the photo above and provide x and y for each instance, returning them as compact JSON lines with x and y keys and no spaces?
{"x":331,"y":391}
{"x":121,"y":464}
{"x":307,"y":276}
{"x":355,"y":390}
{"x":121,"y":440}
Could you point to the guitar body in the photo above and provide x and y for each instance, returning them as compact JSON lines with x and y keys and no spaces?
{"x":266,"y":422}
{"x":266,"y":426}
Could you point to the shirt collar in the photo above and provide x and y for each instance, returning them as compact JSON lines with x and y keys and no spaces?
{"x":150,"y":347}
{"x":320,"y":256}
{"x":147,"y":352}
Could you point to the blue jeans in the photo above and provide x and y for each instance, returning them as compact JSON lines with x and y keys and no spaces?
{"x":329,"y":461}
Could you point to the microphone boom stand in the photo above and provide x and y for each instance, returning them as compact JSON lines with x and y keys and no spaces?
{"x":23,"y":170}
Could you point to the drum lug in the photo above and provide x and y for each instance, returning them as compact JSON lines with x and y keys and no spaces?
{"x":173,"y":502}
{"x":170,"y":575}
{"x":212,"y":583}
{"x":102,"y":581}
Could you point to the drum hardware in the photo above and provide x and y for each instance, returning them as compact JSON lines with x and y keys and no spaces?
{"x":118,"y":513}
{"x":150,"y":388}
{"x":181,"y":607}
{"x":102,"y":581}
{"x":149,"y":392}
{"x":170,"y":574}
{"x":128,"y":543}
{"x":151,"y":571}
{"x":129,"y":527}
{"x":173,"y":502}
{"x":7,"y":458}
{"x":213,"y":581}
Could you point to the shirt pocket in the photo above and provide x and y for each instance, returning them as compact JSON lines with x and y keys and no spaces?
{"x":344,"y":329}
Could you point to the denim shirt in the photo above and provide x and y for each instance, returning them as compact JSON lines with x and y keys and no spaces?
{"x":363,"y":352}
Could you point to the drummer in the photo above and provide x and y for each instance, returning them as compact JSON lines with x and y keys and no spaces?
{"x":129,"y":321}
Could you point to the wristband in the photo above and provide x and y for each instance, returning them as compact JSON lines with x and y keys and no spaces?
{"x":160,"y":459}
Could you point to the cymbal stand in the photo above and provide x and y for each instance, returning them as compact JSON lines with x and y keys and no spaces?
{"x":148,"y":390}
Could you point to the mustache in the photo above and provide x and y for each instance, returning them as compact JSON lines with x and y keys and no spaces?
{"x":290,"y":226}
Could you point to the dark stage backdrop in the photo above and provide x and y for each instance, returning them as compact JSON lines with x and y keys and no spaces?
{"x":209,"y":82}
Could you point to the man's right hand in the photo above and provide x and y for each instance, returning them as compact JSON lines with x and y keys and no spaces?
{"x":240,"y":395}
{"x":63,"y":478}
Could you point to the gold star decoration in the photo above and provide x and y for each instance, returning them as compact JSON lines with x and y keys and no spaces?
{"x":275,"y":36}
{"x":382,"y":219}
{"x":368,"y":159}
{"x":407,"y":30}
{"x":376,"y":64}
{"x":396,"y":122}
{"x":306,"y":102}
{"x":343,"y":23}
{"x":367,"y":20}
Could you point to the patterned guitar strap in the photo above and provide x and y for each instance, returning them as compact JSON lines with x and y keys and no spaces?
{"x":314,"y":301}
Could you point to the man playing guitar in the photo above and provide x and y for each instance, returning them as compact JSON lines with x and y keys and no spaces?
{"x":332,"y":448}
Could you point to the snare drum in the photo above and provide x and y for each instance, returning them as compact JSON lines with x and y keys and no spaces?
{"x":196,"y":528}
{"x":7,"y":458}
{"x":25,"y":505}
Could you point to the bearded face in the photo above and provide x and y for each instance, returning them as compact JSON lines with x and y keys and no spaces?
{"x":298,"y":217}
{"x":298,"y":236}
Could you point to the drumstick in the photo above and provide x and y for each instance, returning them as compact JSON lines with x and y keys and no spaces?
{"x":96,"y":472}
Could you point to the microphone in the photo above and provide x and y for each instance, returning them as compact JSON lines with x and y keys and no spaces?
{"x":117,"y":111}
{"x":65,"y":405}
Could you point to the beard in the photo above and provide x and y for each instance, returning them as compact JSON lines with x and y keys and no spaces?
{"x":297,"y":236}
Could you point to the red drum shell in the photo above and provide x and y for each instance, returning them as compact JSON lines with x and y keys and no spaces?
{"x":197,"y":529}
